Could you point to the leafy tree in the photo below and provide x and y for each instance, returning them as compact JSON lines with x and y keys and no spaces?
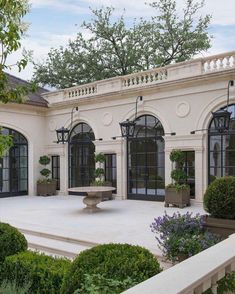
{"x":115,"y":49}
{"x":12,"y":28}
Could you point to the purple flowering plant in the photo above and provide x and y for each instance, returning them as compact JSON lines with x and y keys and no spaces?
{"x":181,"y":236}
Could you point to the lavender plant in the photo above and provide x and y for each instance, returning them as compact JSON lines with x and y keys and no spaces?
{"x":182,"y":235}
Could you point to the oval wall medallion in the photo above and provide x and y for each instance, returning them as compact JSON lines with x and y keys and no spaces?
{"x":52,"y":125}
{"x":182,"y":109}
{"x":107,"y":119}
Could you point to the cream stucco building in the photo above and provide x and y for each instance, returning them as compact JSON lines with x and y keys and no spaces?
{"x":176,"y":99}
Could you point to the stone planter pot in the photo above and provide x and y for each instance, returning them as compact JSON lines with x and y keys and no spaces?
{"x":46,"y":189}
{"x":180,"y":198}
{"x":220,"y":226}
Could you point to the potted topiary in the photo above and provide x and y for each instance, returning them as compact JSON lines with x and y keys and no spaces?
{"x":45,"y":186}
{"x":219,"y":202}
{"x":100,"y":176}
{"x":178,"y":192}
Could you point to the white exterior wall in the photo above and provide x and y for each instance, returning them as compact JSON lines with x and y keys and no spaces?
{"x":181,"y":96}
{"x":30,"y":122}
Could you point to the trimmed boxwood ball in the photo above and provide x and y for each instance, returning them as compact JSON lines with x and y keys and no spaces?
{"x":11,"y":241}
{"x":112,"y":261}
{"x":219,"y":199}
{"x":43,"y":273}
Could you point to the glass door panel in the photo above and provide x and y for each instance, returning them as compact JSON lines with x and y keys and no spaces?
{"x":146,"y":160}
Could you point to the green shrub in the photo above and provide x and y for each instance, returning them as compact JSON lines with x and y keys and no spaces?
{"x":45,"y":172}
{"x":44,"y":160}
{"x":11,"y":241}
{"x":219,"y":199}
{"x":113,"y":261}
{"x":99,"y":157}
{"x":99,"y":172}
{"x":177,"y":156}
{"x":12,"y":288}
{"x":100,"y":285}
{"x":178,"y":175}
{"x":44,"y":273}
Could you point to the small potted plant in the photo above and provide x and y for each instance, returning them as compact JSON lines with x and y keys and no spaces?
{"x":178,"y":192}
{"x":100,"y":176}
{"x":219,"y":202}
{"x":45,"y":186}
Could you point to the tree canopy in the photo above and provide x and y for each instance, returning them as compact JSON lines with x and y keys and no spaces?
{"x":12,"y":28}
{"x":115,"y":49}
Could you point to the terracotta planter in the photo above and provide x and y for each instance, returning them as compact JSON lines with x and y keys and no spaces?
{"x":46,"y":189}
{"x":180,"y":198}
{"x":220,"y":226}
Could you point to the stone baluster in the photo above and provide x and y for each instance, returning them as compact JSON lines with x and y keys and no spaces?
{"x":221,"y":63}
{"x":227,"y":58}
{"x":209,"y":65}
{"x":233,"y":61}
{"x":215,"y":63}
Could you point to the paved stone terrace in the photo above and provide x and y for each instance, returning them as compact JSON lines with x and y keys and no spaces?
{"x":125,"y":221}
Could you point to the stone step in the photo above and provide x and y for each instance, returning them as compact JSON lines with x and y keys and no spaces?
{"x":57,"y":237}
{"x":54,"y":247}
{"x":54,"y":244}
{"x":64,"y":246}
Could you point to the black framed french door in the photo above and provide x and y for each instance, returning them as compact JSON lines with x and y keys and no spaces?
{"x":146,"y":161}
{"x":221,"y":149}
{"x":82,"y":164}
{"x":14,"y":167}
{"x":81,"y":156}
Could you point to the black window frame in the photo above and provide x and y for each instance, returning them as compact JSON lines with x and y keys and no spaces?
{"x":148,"y":129}
{"x":111,"y":158}
{"x":81,"y":138}
{"x":212,"y":133}
{"x":55,"y":170}
{"x":15,"y":165}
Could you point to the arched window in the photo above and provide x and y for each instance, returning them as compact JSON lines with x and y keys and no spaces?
{"x":14,"y":166}
{"x":146,"y":160}
{"x":81,"y":156}
{"x":222,"y":149}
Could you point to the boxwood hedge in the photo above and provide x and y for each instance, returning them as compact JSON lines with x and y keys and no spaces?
{"x":43,"y":273}
{"x":112,"y":261}
{"x":219,"y":199}
{"x":11,"y":241}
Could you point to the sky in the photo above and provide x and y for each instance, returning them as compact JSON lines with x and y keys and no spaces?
{"x":52,"y":23}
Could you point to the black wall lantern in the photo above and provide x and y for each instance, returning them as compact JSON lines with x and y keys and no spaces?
{"x":128,"y":126}
{"x":63,"y":133}
{"x":221,"y":117}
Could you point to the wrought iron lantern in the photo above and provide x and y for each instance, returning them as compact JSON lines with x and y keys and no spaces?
{"x":128,"y":126}
{"x":63,"y":133}
{"x":221,"y":117}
